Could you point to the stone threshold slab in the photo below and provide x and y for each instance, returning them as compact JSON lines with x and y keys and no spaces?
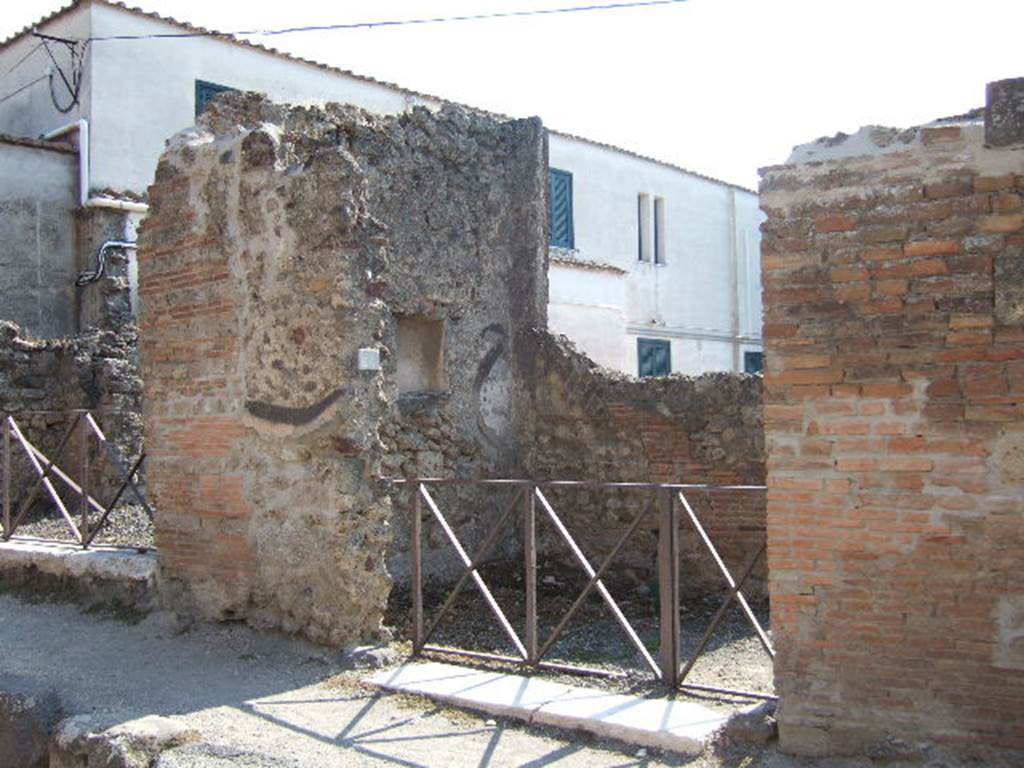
{"x":677,"y":726}
{"x":68,"y":559}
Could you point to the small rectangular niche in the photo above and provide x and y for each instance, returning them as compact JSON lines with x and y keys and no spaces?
{"x":421,"y":353}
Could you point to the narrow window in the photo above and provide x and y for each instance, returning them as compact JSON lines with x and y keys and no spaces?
{"x":560,"y":209}
{"x":206,"y":91}
{"x":654,"y":356}
{"x":753,"y":362}
{"x":421,"y":343}
{"x":659,"y":230}
{"x":643,"y":227}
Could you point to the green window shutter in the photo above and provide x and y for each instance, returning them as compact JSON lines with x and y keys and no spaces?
{"x":560,"y":209}
{"x":753,"y":362}
{"x":206,"y":91}
{"x":655,"y":357}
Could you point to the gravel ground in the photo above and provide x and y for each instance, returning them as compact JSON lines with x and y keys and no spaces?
{"x":734,"y":658}
{"x":128,"y":524}
{"x":262,"y":701}
{"x":265,"y":700}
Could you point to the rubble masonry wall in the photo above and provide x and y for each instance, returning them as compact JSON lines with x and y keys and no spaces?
{"x":595,"y":424}
{"x":280,"y":242}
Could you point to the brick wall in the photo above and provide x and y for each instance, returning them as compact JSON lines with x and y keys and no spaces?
{"x":190,"y":341}
{"x":895,"y":433}
{"x":595,"y":424}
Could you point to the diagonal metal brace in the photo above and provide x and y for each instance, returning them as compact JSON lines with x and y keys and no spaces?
{"x":477,"y":578}
{"x":594,"y":581}
{"x":119,"y":462}
{"x":478,"y":557}
{"x":584,"y":564}
{"x":761,"y":634}
{"x":720,"y":613}
{"x":95,"y":529}
{"x":43,"y":478}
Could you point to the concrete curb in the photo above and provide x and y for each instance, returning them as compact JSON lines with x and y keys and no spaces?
{"x":676,"y":726}
{"x":100,"y":574}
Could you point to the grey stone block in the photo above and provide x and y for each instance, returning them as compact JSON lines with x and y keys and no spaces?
{"x":28,"y":714}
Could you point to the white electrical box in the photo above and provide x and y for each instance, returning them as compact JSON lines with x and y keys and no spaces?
{"x":368,"y":359}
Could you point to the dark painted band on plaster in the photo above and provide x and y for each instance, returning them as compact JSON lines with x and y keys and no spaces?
{"x":296,"y":417}
{"x":496,"y":334}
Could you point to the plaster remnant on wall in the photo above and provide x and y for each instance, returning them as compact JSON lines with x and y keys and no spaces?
{"x":1010,"y":455}
{"x":284,"y":240}
{"x":281,"y":241}
{"x":870,"y":139}
{"x":1008,"y":650}
{"x":1009,"y":284}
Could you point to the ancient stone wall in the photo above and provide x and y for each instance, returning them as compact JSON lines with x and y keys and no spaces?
{"x":41,"y":379}
{"x":280,"y":243}
{"x":596,"y":424}
{"x":895,"y":432}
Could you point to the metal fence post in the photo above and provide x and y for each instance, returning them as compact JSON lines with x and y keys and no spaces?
{"x":417,"y":571}
{"x":530,"y":558}
{"x":668,"y":585}
{"x":7,"y":479}
{"x":83,"y":454}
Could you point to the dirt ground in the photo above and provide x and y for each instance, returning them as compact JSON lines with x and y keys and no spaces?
{"x":266,"y":700}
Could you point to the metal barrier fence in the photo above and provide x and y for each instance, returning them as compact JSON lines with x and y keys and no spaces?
{"x":92,"y":514}
{"x":670,"y":500}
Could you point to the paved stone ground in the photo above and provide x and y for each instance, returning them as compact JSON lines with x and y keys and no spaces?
{"x":264,"y":700}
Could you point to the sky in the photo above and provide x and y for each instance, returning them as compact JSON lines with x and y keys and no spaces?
{"x":721,"y":87}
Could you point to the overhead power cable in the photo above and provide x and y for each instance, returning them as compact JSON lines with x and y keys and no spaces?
{"x":26,"y":86}
{"x":396,"y":23}
{"x":24,"y":58}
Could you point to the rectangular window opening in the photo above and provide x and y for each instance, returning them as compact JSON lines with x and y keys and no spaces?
{"x":659,"y":230}
{"x":654,"y":357}
{"x":753,"y":362}
{"x":560,"y":215}
{"x":421,"y":355}
{"x":643,"y":227}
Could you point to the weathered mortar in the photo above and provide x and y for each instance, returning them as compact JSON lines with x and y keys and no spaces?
{"x":595,"y":424}
{"x":40,"y":379}
{"x":281,"y":241}
{"x":894,"y":425}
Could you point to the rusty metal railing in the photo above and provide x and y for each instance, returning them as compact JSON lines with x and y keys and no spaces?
{"x":92,"y":515}
{"x":530,"y":499}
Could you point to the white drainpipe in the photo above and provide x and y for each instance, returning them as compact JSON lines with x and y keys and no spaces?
{"x":82,"y":126}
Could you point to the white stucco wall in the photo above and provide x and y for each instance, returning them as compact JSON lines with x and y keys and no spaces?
{"x":38,"y":199}
{"x":31,"y":112}
{"x":145,"y":90}
{"x":705,"y":298}
{"x":587,"y":306}
{"x":137,"y":93}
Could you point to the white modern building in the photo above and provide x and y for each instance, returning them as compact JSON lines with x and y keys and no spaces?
{"x":654,"y":268}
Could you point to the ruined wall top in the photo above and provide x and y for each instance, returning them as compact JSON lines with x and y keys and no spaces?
{"x":999,"y":124}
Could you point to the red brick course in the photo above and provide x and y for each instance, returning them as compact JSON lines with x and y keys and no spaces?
{"x":895,"y":533}
{"x":191,"y":370}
